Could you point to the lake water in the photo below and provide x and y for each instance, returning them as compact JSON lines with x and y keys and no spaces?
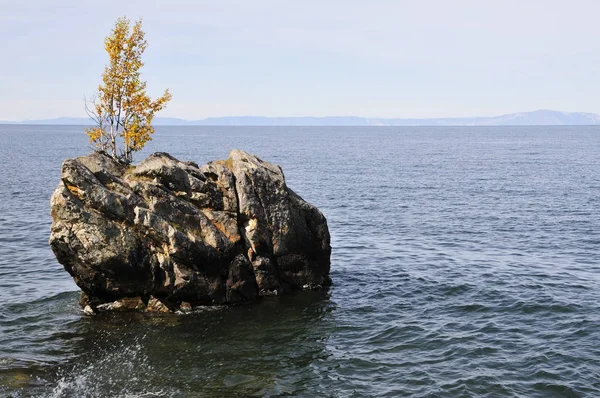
{"x":466,"y":262}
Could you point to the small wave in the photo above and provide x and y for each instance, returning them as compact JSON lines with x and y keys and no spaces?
{"x":472,"y":308}
{"x":555,"y":389}
{"x":532,"y":308}
{"x":120,"y":372}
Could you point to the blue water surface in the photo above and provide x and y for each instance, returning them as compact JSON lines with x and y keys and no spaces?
{"x":466,"y":262}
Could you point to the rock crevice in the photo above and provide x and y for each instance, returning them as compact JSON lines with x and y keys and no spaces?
{"x":168,"y":234}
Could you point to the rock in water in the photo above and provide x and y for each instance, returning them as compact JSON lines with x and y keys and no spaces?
{"x":166,"y":233}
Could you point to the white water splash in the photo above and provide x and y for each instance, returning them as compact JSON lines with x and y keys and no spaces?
{"x":123,"y":371}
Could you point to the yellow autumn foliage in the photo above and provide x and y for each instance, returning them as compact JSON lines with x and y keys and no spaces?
{"x":122,"y":111}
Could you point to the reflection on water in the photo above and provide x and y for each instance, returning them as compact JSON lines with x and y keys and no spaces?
{"x":264,"y":348}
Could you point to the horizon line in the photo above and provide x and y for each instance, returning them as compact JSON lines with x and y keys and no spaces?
{"x":325,"y":117}
{"x":540,"y":117}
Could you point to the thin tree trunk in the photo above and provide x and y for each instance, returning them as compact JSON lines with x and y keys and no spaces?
{"x":113,"y":142}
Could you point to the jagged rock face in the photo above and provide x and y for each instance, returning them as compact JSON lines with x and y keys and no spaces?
{"x":171,"y":234}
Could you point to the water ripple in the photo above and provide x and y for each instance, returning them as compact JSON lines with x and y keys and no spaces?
{"x":465,"y":263}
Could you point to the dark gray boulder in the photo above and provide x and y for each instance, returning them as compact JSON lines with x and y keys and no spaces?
{"x":167,"y":235}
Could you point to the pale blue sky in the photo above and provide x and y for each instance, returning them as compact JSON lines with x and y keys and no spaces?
{"x":299,"y":58}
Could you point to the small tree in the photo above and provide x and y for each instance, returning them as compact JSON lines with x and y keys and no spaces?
{"x":122,"y":111}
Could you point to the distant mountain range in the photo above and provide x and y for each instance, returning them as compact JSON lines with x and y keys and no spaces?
{"x":535,"y":118}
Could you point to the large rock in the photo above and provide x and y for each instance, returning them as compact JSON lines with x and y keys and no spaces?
{"x":170,"y":234}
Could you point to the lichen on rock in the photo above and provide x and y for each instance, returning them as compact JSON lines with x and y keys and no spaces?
{"x":168,"y":235}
